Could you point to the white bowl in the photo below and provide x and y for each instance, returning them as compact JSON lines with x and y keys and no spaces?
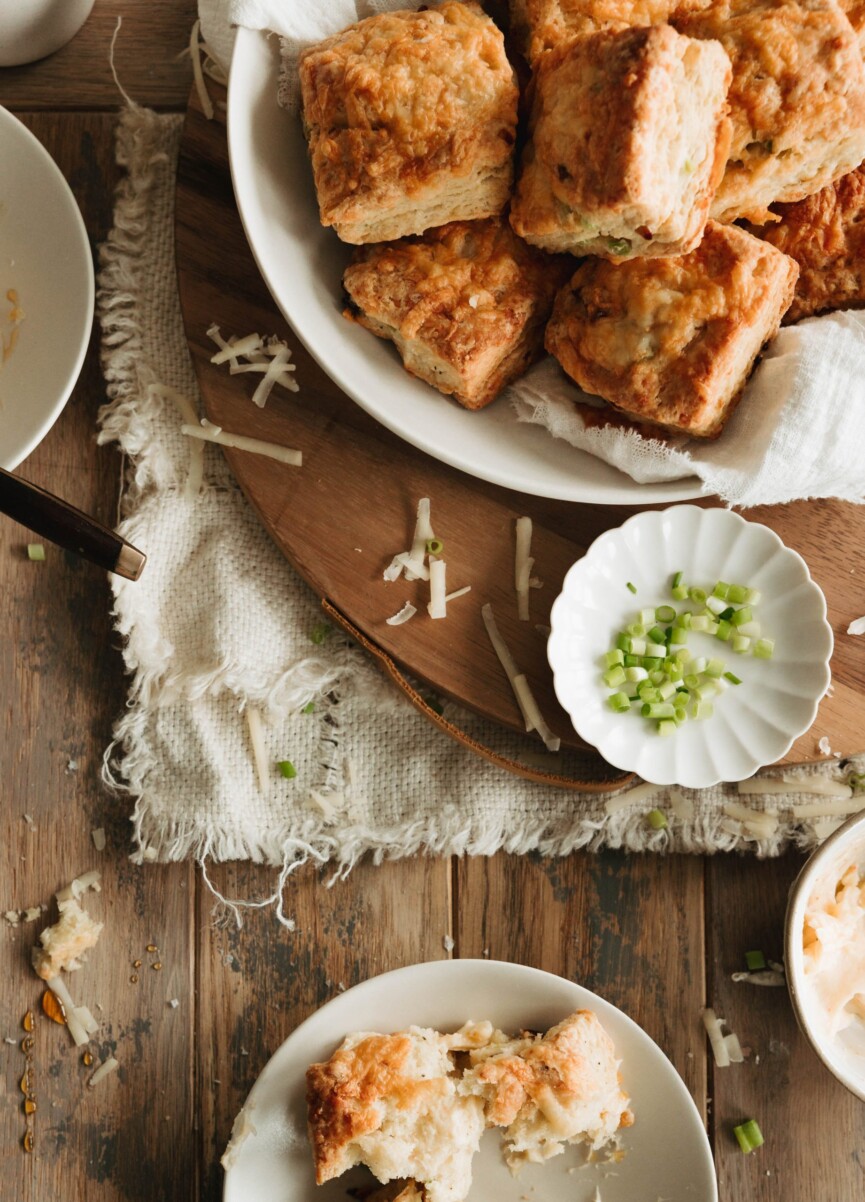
{"x":754,"y":723}
{"x":45,"y":259}
{"x":843,"y":1055}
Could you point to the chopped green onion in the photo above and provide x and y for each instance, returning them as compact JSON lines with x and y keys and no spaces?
{"x":35,"y":551}
{"x":721,"y":590}
{"x":611,"y":658}
{"x":725,"y":629}
{"x":319,"y":634}
{"x":636,"y":674}
{"x":764,"y":648}
{"x":636,"y":630}
{"x":634,"y":661}
{"x":727,"y":613}
{"x":740,"y":643}
{"x":658,"y":709}
{"x":691,"y":681}
{"x":665,"y":613}
{"x":698,"y":595}
{"x":753,"y":596}
{"x":656,"y":819}
{"x":614,"y":676}
{"x":714,"y":667}
{"x":619,"y":246}
{"x":741,"y":616}
{"x":701,"y":623}
{"x":737,"y":593}
{"x":667,"y":689}
{"x":618,"y":702}
{"x":657,"y":634}
{"x":651,"y":662}
{"x":434,"y":546}
{"x":680,"y":593}
{"x":755,"y":961}
{"x":623,"y":643}
{"x":632,"y":587}
{"x":702,"y":709}
{"x":677,"y":580}
{"x":666,"y":728}
{"x":308,"y":708}
{"x":287,"y":769}
{"x":647,"y":617}
{"x":732,"y":677}
{"x":638,"y":646}
{"x":748,"y":1135}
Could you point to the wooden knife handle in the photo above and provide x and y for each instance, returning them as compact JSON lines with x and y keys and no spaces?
{"x":68,"y":527}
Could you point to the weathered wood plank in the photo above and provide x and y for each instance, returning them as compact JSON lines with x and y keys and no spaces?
{"x":813,"y":1128}
{"x":152,"y":35}
{"x":256,"y":984}
{"x":630,"y":928}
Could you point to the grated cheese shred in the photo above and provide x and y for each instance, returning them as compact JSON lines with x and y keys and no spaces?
{"x":522,"y":692}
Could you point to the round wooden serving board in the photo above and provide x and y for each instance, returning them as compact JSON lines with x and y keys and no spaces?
{"x":341,"y":517}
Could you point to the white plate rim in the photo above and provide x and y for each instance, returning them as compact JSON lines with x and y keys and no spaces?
{"x":80,"y":245}
{"x":705,"y":777}
{"x":415,"y":978}
{"x":543,"y":466}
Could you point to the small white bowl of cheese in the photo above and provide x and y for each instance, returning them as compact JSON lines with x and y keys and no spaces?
{"x":825,"y":952}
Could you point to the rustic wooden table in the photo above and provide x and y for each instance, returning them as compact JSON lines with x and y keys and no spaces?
{"x":656,"y":936}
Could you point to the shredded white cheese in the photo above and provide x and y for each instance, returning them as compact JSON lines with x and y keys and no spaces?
{"x":523,"y":564}
{"x":240,"y":442}
{"x":259,"y":753}
{"x":630,"y":797}
{"x":722,"y":1050}
{"x":857,"y":626}
{"x":757,"y":820}
{"x":98,"y":837}
{"x":108,"y":1066}
{"x":408,"y":611}
{"x":437,"y":607}
{"x":681,"y":806}
{"x":522,"y":691}
{"x":763,"y":976}
{"x":460,"y":592}
{"x":423,"y":533}
{"x":195,"y":474}
{"x":824,"y":747}
{"x":200,"y":86}
{"x":811,"y":784}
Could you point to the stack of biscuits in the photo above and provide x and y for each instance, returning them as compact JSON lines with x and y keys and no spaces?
{"x":685,"y":177}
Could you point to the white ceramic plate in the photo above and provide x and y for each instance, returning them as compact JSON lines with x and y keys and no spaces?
{"x":668,"y":1154}
{"x":845,"y":1054}
{"x":754,"y":723}
{"x":44,"y":258}
{"x":302,"y":264}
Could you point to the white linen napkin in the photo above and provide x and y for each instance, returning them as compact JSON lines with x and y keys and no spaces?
{"x":797,"y":433}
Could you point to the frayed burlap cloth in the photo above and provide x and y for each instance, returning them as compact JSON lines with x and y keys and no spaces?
{"x":220,"y":623}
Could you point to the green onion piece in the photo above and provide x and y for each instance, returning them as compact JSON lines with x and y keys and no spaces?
{"x":35,"y":551}
{"x":714,"y":667}
{"x":657,"y":634}
{"x":692,"y":681}
{"x":673,"y":670}
{"x":701,"y":623}
{"x":737,"y":593}
{"x":611,"y":658}
{"x":680,"y":592}
{"x":636,"y":674}
{"x":623,"y":643}
{"x":648,"y":694}
{"x":319,"y":634}
{"x":753,"y":596}
{"x":614,"y":676}
{"x":636,"y":630}
{"x":666,"y":727}
{"x":638,"y":646}
{"x":633,"y":661}
{"x":684,"y":619}
{"x":677,"y":580}
{"x":721,"y":591}
{"x":679,"y":634}
{"x":702,"y":709}
{"x":748,"y":1135}
{"x":725,"y":629}
{"x":764,"y":648}
{"x":434,"y":546}
{"x":740,"y":643}
{"x":665,"y":613}
{"x":651,"y":662}
{"x":755,"y":961}
{"x":656,"y":819}
{"x":308,"y":708}
{"x":658,"y":709}
{"x":726,"y":614}
{"x":741,"y":616}
{"x":619,"y":246}
{"x":732,"y":677}
{"x":856,"y":781}
{"x":698,"y":595}
{"x":618,"y":702}
{"x":647,"y":617}
{"x":287,"y":769}
{"x":632,"y":587}
{"x":667,"y":689}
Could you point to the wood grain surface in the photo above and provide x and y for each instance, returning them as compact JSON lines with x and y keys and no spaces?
{"x":360,"y":484}
{"x":656,"y":935}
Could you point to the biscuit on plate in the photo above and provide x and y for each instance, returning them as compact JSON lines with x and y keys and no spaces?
{"x":825,"y":234}
{"x":551,"y":1090}
{"x":410,"y":119}
{"x":465,"y":304}
{"x":539,"y":25}
{"x":671,"y":342}
{"x":391,"y":1102}
{"x":797,"y":100}
{"x":629,"y":137}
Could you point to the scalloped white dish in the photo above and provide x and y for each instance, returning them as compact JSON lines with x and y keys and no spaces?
{"x":754,"y":723}
{"x":45,"y":260}
{"x":269,"y":1159}
{"x":302,"y":264}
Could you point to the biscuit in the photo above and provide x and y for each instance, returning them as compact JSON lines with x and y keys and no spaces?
{"x":410,"y":119}
{"x":540,"y":25}
{"x":671,"y":341}
{"x":797,"y":100}
{"x":628,"y":140}
{"x":391,"y":1102}
{"x":466,"y":304}
{"x":551,"y":1090}
{"x":825,"y":234}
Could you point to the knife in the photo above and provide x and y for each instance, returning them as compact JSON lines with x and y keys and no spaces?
{"x":68,"y":527}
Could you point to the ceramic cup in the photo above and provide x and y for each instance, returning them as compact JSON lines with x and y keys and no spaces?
{"x":30,"y":29}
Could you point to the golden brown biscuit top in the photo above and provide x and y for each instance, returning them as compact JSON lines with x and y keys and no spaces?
{"x":404,"y":95}
{"x":547,"y":24}
{"x":345,"y":1095}
{"x":797,"y":70}
{"x":467,"y":283}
